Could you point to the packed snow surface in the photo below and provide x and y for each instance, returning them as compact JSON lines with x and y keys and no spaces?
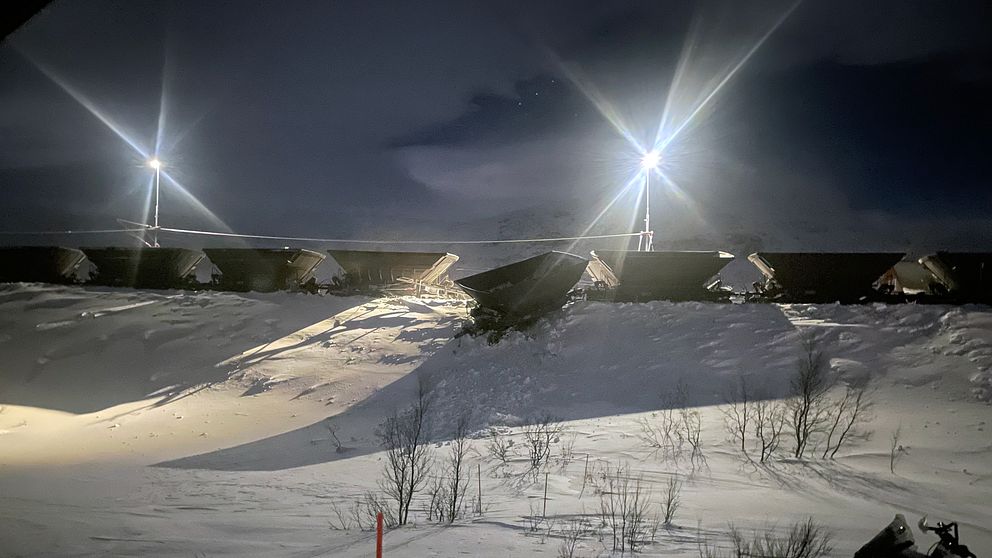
{"x":168,"y":423}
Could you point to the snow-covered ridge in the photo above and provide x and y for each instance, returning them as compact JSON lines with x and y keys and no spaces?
{"x":231,"y":395}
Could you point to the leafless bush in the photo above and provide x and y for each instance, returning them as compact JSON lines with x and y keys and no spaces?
{"x":624,"y":503}
{"x":850,"y":412}
{"x":692,"y":426}
{"x":549,"y":528}
{"x":737,"y":413}
{"x":534,"y":519}
{"x":457,"y":473}
{"x":341,"y":520}
{"x":805,"y":539}
{"x":539,"y":436}
{"x":436,"y":505}
{"x":499,"y":446}
{"x":896,"y":450}
{"x":769,"y":422}
{"x":571,"y":531}
{"x":808,"y":407}
{"x":332,"y":429}
{"x":368,"y":507}
{"x":662,"y":434}
{"x":567,"y":450}
{"x":408,"y":454}
{"x":672,"y":499}
{"x":669,"y":431}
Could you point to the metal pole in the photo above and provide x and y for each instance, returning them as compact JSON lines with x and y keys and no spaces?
{"x":546,"y":494}
{"x":378,"y":535}
{"x":158,"y":171}
{"x":647,"y":210}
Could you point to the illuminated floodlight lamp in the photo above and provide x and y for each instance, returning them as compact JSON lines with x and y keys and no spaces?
{"x":155,"y":164}
{"x":651,"y":160}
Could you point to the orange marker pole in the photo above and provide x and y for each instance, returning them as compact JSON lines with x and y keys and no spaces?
{"x":378,"y":535}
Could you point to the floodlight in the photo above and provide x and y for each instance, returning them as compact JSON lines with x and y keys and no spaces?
{"x":651,"y":160}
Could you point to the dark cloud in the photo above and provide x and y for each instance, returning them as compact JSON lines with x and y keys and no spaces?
{"x":321,"y":118}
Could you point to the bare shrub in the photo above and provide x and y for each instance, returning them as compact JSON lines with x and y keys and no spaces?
{"x":341,"y":520}
{"x":408,"y":454}
{"x":674,"y":429}
{"x":895,"y":450}
{"x":333,"y":429}
{"x":737,"y":414}
{"x":499,"y":446}
{"x":368,"y":507}
{"x":808,"y":407}
{"x":624,"y":503}
{"x":534,"y":519}
{"x":571,"y":531}
{"x":566,"y":451}
{"x":850,"y":412}
{"x":769,"y":423}
{"x":672,"y":499}
{"x":691,"y":427}
{"x":804,"y":539}
{"x":662,"y":434}
{"x":539,"y":436}
{"x":457,"y":474}
{"x":436,"y":505}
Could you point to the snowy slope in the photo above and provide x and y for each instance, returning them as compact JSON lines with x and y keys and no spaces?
{"x":177,"y":424}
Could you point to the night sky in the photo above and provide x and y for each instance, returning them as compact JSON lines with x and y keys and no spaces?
{"x":318,"y":118}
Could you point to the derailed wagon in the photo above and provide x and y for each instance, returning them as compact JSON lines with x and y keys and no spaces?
{"x":144,"y":268}
{"x":846,"y":277}
{"x":965,"y":276}
{"x":414,"y":272}
{"x":264,"y":269}
{"x":39,"y":264}
{"x":629,"y":276}
{"x":522,"y":291}
{"x":911,"y":281}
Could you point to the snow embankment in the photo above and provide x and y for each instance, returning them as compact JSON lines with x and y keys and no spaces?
{"x":233,"y":395}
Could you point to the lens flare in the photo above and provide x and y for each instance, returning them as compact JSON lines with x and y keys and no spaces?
{"x":152,"y":157}
{"x":709,"y":96}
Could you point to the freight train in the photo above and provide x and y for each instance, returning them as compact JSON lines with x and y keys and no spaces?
{"x":532,"y":286}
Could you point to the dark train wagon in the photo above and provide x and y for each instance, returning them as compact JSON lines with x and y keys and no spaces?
{"x":630,"y":276}
{"x":965,"y":276}
{"x":263,"y":269}
{"x":527,"y":288}
{"x":39,"y":264}
{"x":416,"y":272}
{"x":144,"y":268}
{"x":847,"y":277}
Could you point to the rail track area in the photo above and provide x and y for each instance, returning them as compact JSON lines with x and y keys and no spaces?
{"x":519,"y":292}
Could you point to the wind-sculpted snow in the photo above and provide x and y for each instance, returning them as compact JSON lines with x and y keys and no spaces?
{"x":84,"y":349}
{"x":259,"y":414}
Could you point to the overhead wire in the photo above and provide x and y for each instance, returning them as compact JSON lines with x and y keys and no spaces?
{"x":316,"y":239}
{"x":367,"y":241}
{"x":65,"y":232}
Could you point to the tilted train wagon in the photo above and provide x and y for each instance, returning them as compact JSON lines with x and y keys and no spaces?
{"x":413,"y":272}
{"x":526,"y":289}
{"x":629,"y":276}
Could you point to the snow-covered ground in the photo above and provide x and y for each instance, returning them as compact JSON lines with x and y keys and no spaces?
{"x":196,"y":424}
